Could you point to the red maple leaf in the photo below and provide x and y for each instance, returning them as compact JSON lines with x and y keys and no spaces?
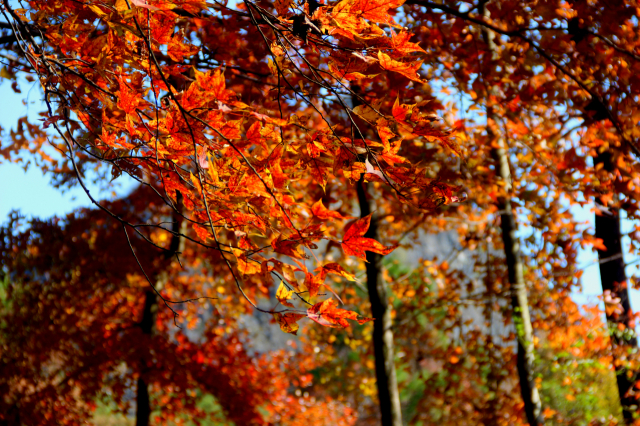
{"x":355,"y":243}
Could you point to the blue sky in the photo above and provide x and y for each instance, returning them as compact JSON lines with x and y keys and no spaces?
{"x":29,"y":191}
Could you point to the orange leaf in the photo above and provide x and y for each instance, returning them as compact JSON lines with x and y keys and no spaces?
{"x":322,"y":213}
{"x":358,"y":246}
{"x":288,"y":247}
{"x":598,"y":244}
{"x":202,"y":233}
{"x":253,"y":135}
{"x":399,"y":112}
{"x":390,"y":151}
{"x":427,"y":130}
{"x":400,"y":43}
{"x":377,"y":10}
{"x":437,"y":194}
{"x":347,"y":21}
{"x":354,"y":244}
{"x":334,"y":268}
{"x":326,"y":313}
{"x":177,"y":50}
{"x":128,"y":99}
{"x":357,"y":228}
{"x":313,"y":283}
{"x":408,"y":69}
{"x":245,"y":266}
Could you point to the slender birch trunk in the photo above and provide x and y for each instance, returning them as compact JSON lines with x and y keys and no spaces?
{"x":519,"y":302}
{"x":515,"y":267}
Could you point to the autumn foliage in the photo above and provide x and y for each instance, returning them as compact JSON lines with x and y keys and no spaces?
{"x":249,"y":128}
{"x":147,"y":104}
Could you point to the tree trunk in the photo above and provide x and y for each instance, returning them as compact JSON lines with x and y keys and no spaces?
{"x":614,"y":279}
{"x":515,"y":266}
{"x":176,"y":245}
{"x":388,"y":396}
{"x":143,"y":405}
{"x":519,"y":303}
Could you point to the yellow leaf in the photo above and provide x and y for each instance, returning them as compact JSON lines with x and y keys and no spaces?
{"x":245,"y":266}
{"x":97,"y":10}
{"x":121,"y":5}
{"x":366,"y":113}
{"x":288,"y":322}
{"x":196,"y":183}
{"x":272,"y":67}
{"x":283,"y":294}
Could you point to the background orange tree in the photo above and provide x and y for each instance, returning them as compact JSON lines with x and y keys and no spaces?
{"x":74,"y":332}
{"x":254,"y":128}
{"x":558,"y":78}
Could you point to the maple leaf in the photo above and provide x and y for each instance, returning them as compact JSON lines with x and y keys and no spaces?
{"x":399,"y":112}
{"x":53,"y":119}
{"x":355,"y":244}
{"x":128,"y":98}
{"x":283,"y":295}
{"x":289,"y":247}
{"x":321,"y":212}
{"x":335,"y":268}
{"x":349,"y":72}
{"x":430,"y":132}
{"x":408,"y":69}
{"x":326,"y":313}
{"x":401,"y":45}
{"x":390,"y":150}
{"x":377,"y":10}
{"x":366,"y":112}
{"x":245,"y":266}
{"x":202,"y":233}
{"x":437,"y":194}
{"x":313,"y":283}
{"x":348,"y":22}
{"x":288,"y":322}
{"x":612,"y":303}
{"x":178,"y":50}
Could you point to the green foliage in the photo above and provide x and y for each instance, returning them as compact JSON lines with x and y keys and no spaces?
{"x":106,"y":414}
{"x":579,"y":391}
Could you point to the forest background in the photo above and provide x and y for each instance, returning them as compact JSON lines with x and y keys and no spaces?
{"x":577,"y":376}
